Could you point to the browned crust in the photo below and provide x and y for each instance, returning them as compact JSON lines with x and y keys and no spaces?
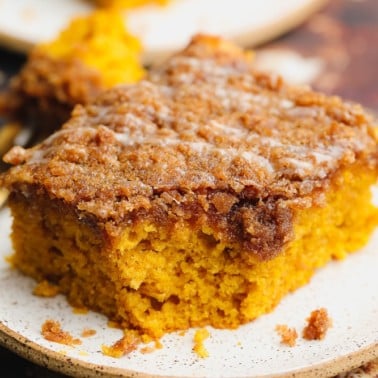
{"x":204,"y":139}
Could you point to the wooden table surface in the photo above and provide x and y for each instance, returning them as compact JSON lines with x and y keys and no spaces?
{"x":339,"y":44}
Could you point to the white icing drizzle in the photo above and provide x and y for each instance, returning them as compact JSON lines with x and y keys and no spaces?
{"x":154,"y":122}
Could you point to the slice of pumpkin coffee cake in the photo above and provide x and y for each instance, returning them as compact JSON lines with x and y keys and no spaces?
{"x":199,"y":196}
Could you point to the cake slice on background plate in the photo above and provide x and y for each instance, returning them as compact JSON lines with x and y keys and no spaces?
{"x":93,"y":53}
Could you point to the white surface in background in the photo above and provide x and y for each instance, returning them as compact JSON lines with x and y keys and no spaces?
{"x":295,"y":68}
{"x":162,"y":29}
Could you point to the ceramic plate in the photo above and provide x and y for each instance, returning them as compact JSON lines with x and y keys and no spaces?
{"x":347,"y":289}
{"x":23,"y":23}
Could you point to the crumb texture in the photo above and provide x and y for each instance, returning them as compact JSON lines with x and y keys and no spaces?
{"x":46,"y":289}
{"x":199,"y":347}
{"x":317,"y":326}
{"x":52,"y":331}
{"x":88,"y":332}
{"x":127,"y":344}
{"x":288,"y":335}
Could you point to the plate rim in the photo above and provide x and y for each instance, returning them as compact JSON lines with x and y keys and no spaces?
{"x":248,"y":38}
{"x":63,"y":363}
{"x":254,"y":37}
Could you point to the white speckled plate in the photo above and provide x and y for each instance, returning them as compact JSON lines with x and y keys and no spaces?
{"x":348,"y":289}
{"x":23,"y":23}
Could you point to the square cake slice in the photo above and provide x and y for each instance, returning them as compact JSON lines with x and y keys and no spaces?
{"x":200,"y":196}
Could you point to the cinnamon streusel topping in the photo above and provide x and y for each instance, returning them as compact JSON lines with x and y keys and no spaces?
{"x":204,"y":138}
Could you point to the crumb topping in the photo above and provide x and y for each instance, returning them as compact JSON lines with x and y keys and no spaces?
{"x":204,"y":137}
{"x":288,"y":335}
{"x":52,"y":331}
{"x":46,"y":89}
{"x":317,"y":326}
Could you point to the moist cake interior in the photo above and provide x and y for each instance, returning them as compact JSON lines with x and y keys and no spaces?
{"x":157,"y":280}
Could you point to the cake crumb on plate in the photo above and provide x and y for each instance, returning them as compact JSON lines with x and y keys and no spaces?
{"x":52,"y":331}
{"x":317,"y":325}
{"x":46,"y":289}
{"x":127,"y":344}
{"x":199,"y":337}
{"x":87,"y":332}
{"x":288,"y":335}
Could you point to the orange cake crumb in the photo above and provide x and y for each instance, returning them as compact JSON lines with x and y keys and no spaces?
{"x":199,"y":337}
{"x":80,"y":310}
{"x":288,"y":335}
{"x":158,"y":344}
{"x":52,"y":331}
{"x":317,"y":325}
{"x":127,"y":344}
{"x":147,"y":349}
{"x":46,"y":289}
{"x":87,"y":332}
